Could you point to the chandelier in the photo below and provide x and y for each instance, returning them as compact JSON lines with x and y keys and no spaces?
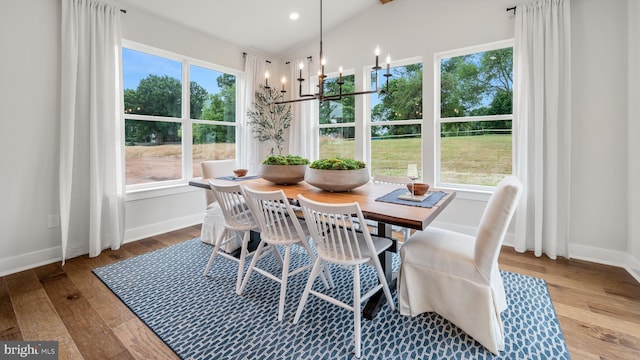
{"x":320,"y":95}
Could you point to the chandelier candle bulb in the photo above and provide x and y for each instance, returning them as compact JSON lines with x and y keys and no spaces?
{"x":266,"y":79}
{"x":284,"y":80}
{"x":388,"y":63}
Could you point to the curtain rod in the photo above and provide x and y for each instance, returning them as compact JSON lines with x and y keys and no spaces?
{"x":310,"y":58}
{"x":244,"y":55}
{"x":512,"y":8}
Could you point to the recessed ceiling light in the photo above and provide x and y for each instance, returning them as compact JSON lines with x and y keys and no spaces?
{"x":294,"y":16}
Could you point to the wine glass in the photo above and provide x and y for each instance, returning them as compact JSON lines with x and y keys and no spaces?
{"x":412,"y":173}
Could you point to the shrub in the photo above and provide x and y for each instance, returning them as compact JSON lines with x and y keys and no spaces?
{"x":337,"y":163}
{"x":285,"y":160}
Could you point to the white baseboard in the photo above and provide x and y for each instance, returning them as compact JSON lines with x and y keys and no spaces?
{"x":30,"y":260}
{"x":34,"y":259}
{"x":162,"y":227}
{"x":606,"y":257}
{"x":634,"y":268}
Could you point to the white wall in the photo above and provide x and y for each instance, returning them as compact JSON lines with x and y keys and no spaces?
{"x":634,"y":136}
{"x":29,"y":87}
{"x":599,"y":155}
{"x":604,"y":225}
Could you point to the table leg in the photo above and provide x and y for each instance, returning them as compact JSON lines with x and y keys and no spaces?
{"x":254,"y":241}
{"x":377,"y":300}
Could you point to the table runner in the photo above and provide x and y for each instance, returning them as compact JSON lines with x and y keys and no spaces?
{"x":235,"y":178}
{"x":429,"y":202}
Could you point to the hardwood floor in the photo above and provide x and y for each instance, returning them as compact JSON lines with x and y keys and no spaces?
{"x":598,"y":306}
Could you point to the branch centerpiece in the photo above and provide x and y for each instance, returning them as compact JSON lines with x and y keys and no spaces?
{"x":269,"y":120}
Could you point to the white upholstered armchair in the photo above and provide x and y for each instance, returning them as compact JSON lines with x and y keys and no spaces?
{"x":213,"y":221}
{"x":457,"y":276}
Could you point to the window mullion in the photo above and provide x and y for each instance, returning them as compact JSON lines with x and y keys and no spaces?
{"x":187,"y":138}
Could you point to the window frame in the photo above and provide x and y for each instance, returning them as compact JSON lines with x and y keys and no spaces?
{"x":185,"y":119}
{"x":369,"y":123}
{"x":335,"y":75}
{"x":438,"y":120}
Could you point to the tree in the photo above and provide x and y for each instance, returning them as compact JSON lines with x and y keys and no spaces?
{"x":339,"y":111}
{"x":268,"y":119}
{"x":460,"y":88}
{"x":158,"y":96}
{"x":477,"y":85}
{"x":218,"y":107}
{"x":197,"y":97}
{"x":401,"y":100}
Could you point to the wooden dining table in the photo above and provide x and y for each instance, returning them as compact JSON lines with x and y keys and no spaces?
{"x":383,"y":213}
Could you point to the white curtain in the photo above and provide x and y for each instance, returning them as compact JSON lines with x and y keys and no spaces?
{"x":248,"y":146}
{"x":91,"y":131}
{"x":542,"y":126}
{"x":303,"y":131}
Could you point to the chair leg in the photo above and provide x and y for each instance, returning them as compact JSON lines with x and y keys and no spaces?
{"x":317,"y":266}
{"x":324,"y":275}
{"x":216,"y":248}
{"x":276,"y":254}
{"x":327,"y":273}
{"x":283,"y":281}
{"x":252,"y":266}
{"x":385,"y":286}
{"x":243,"y":255}
{"x":357,"y":311}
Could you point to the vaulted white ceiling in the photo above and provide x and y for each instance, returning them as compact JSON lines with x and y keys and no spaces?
{"x":261,"y":25}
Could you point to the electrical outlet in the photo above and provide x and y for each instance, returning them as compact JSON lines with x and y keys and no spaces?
{"x":53,"y":221}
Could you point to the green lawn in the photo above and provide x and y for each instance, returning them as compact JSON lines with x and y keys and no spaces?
{"x":474,"y":160}
{"x":477,"y":160}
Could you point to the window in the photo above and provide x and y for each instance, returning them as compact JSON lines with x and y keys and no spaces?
{"x":474,"y":116}
{"x":396,"y":119}
{"x":177,"y":112}
{"x":337,"y":120}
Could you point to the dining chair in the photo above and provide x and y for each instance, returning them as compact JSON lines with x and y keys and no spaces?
{"x":395,"y":180}
{"x":213,"y":221}
{"x":457,"y":275}
{"x":338,"y":241}
{"x":279,"y":226}
{"x":238,"y":222}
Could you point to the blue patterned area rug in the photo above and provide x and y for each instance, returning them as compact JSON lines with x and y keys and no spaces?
{"x":202,"y":317}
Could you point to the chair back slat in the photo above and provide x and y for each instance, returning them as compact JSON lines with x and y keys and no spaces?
{"x":237,"y":214}
{"x":334,"y":233}
{"x":274,"y":215}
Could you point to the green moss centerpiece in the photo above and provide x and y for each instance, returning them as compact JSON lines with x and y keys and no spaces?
{"x":337,"y":174}
{"x":284,"y":170}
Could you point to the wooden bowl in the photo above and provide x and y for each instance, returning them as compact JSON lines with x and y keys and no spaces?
{"x":240,"y":172}
{"x":419,"y":188}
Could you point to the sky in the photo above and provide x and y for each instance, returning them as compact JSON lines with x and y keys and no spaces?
{"x":138,"y":65}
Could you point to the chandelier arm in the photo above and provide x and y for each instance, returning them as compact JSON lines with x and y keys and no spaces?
{"x":322,"y":98}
